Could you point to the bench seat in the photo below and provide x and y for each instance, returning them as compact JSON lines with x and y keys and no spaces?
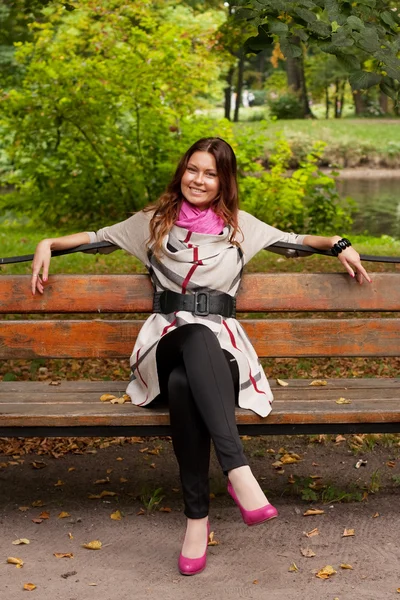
{"x":74,"y":408}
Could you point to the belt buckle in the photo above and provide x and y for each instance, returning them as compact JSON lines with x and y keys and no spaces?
{"x":202,"y":304}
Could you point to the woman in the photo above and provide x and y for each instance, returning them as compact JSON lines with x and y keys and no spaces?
{"x":192,"y":353}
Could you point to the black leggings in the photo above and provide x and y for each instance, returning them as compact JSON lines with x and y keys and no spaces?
{"x":200,"y":383}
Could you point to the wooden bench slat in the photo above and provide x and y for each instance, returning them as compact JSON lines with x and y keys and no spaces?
{"x":115,"y":387}
{"x":271,"y":338}
{"x":261,"y":292}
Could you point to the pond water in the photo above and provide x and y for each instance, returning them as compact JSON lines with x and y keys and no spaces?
{"x":378,"y":203}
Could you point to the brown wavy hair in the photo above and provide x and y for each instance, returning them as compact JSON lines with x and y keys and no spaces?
{"x":225,"y":205}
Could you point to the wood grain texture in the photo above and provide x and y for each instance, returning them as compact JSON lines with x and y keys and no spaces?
{"x":38,"y":404}
{"x":271,"y":338}
{"x":260,"y":292}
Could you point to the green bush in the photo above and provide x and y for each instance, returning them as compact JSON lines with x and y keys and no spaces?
{"x":286,"y":106}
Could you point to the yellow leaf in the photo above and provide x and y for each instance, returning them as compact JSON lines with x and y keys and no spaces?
{"x":39,"y":464}
{"x":291,"y":478}
{"x":374,"y":516}
{"x":211,"y":540}
{"x":312,"y":532}
{"x":63,"y":555}
{"x":38,"y":503}
{"x":109,"y":471}
{"x":107,"y":397}
{"x":102,"y":495}
{"x":307,"y":552}
{"x":15,"y":561}
{"x":288,"y":459}
{"x":102,"y":481}
{"x":166,"y":509}
{"x":20,"y":541}
{"x":345,"y":566}
{"x":116,"y":516}
{"x":123,"y":480}
{"x":343,"y":401}
{"x":29,"y":587}
{"x":326,"y":572}
{"x":348,"y":532}
{"x":59,"y":483}
{"x":398,"y":590}
{"x":71,"y":469}
{"x":281,"y":382}
{"x":339,"y":438}
{"x":313,"y":511}
{"x":44,"y":515}
{"x":63,"y":515}
{"x":318,"y":382}
{"x":293,"y":568}
{"x":71,"y":537}
{"x":94,"y":545}
{"x":118,"y":400}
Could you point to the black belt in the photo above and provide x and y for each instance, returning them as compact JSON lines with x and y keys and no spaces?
{"x":199,"y":303}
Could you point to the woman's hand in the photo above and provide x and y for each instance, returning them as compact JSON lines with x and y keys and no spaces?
{"x":350,"y":259}
{"x":41,"y":262}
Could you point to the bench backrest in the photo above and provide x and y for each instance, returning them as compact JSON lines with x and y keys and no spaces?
{"x":290,"y":335}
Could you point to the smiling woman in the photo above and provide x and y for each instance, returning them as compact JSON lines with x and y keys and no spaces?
{"x":192,"y":354}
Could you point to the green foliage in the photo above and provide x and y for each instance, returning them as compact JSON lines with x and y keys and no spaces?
{"x":367,"y":29}
{"x":103,"y":114}
{"x":306,"y":201}
{"x":286,"y":106}
{"x":311,"y":490}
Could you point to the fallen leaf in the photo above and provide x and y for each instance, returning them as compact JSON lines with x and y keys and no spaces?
{"x":155,"y":451}
{"x":326,"y":572}
{"x":143,"y":450}
{"x":123,"y":480}
{"x":374,"y":516}
{"x":44,"y":515}
{"x":318,"y":382}
{"x":152,"y":465}
{"x":93,"y":584}
{"x":29,"y":587}
{"x":118,"y":400}
{"x":94,"y":545}
{"x":166,"y":509}
{"x":103,"y":494}
{"x":141,"y":512}
{"x":59,"y":483}
{"x":20,"y":541}
{"x":37,"y":521}
{"x":37,"y":503}
{"x":293,"y":568}
{"x":348,"y":533}
{"x":345,"y":566}
{"x":107,"y":397}
{"x":307,"y":552}
{"x":63,"y":515}
{"x":245,"y":438}
{"x":339,"y":438}
{"x":116,"y":516}
{"x":398,"y":590}
{"x":119,"y":458}
{"x":277,"y":464}
{"x":211,"y":540}
{"x":71,"y":537}
{"x":313,"y":511}
{"x":109,"y":471}
{"x":312,"y":533}
{"x":24,"y":508}
{"x":255,"y":581}
{"x":391,"y":464}
{"x":291,"y":479}
{"x":15,"y":561}
{"x":39,"y":464}
{"x":102,"y":481}
{"x":343,"y":401}
{"x":71,"y":469}
{"x":63,"y":555}
{"x":55,"y":383}
{"x":288,"y":459}
{"x":281,"y":382}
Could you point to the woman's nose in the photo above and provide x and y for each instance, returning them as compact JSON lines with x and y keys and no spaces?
{"x":199,"y":176}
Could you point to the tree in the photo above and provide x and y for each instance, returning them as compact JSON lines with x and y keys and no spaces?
{"x":336,"y":27}
{"x":98,"y":123}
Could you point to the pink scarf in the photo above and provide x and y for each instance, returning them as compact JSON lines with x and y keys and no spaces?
{"x":199,"y":221}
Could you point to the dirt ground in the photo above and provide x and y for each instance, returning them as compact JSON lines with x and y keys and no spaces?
{"x":138,"y":558}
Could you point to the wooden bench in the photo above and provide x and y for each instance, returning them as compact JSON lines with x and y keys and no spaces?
{"x":74,"y":407}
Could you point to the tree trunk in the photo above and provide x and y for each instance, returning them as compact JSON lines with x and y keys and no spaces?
{"x":327,"y":103}
{"x":239,"y":85}
{"x":383,"y":103}
{"x":358,"y":102}
{"x":297,"y":81}
{"x":337,"y":95}
{"x":342,"y":98}
{"x":228,"y":93}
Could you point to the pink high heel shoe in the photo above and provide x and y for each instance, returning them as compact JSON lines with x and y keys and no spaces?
{"x":192,"y":566}
{"x":257,"y":516}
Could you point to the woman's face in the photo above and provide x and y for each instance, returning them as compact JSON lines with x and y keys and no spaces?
{"x":200,"y":182}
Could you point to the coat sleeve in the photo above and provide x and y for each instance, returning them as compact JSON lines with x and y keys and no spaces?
{"x":258,"y":235}
{"x":131,"y":235}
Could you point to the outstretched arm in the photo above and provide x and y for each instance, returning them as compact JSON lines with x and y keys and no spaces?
{"x":41,"y":260}
{"x":349,"y":257}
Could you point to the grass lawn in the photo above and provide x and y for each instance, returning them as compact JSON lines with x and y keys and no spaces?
{"x":16,"y":241}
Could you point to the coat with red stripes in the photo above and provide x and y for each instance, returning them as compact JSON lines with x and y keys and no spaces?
{"x":193,"y":262}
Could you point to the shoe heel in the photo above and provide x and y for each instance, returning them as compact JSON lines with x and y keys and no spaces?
{"x":253,"y":517}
